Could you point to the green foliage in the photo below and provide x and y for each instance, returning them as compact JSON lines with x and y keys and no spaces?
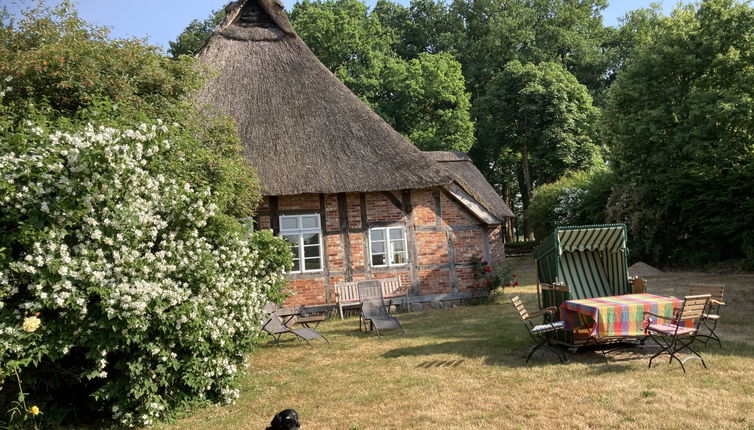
{"x":492,"y":276}
{"x":579,"y":198}
{"x":681,"y":118}
{"x":523,"y":247}
{"x":196,"y":34}
{"x":426,"y":100}
{"x":539,"y":119}
{"x":423,"y":97}
{"x":120,"y":199}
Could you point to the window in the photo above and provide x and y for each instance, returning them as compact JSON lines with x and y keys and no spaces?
{"x":387,"y":246}
{"x":304,"y":234}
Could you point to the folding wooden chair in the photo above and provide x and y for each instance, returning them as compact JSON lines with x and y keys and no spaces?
{"x":674,"y":336}
{"x":541,"y":333}
{"x":712,"y":314}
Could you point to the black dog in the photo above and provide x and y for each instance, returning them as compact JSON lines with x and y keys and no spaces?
{"x":285,"y":420}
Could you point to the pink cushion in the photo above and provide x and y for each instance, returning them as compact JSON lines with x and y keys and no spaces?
{"x":670,"y":329}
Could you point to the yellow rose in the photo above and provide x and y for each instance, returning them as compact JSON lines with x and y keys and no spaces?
{"x":31,"y":324}
{"x":34,"y":410}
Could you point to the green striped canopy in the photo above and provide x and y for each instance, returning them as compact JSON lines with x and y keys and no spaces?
{"x":591,"y":260}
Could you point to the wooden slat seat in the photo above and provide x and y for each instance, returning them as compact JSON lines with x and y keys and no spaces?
{"x":674,"y":336}
{"x":541,"y":333}
{"x":347,"y":293}
{"x":711,"y":316}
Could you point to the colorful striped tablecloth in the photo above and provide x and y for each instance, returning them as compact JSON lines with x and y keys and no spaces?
{"x":615,"y":316}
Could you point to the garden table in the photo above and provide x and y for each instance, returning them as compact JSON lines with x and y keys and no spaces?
{"x":615,"y":316}
{"x":306,"y":320}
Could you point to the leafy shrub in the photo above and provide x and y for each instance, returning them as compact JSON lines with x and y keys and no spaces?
{"x":491,"y":277}
{"x":120,"y":231}
{"x":576,"y":199}
{"x":523,"y":247}
{"x":117,"y":261}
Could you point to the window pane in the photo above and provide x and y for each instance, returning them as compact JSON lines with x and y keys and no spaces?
{"x":311,"y":251}
{"x":398,"y":245}
{"x":312,"y":264}
{"x":378,"y":234}
{"x":296,"y":267}
{"x":396,"y":233}
{"x":378,"y":247}
{"x":378,"y":260}
{"x":398,"y":258}
{"x":311,"y":239}
{"x":310,"y":221}
{"x":288,"y":223}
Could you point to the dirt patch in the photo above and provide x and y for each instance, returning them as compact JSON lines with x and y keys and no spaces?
{"x":644,"y":270}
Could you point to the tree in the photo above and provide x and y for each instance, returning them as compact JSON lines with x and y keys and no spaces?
{"x":542,"y":114}
{"x":426,"y":100}
{"x":424,"y":97}
{"x":128,"y":288}
{"x":681,"y":122}
{"x":196,"y":34}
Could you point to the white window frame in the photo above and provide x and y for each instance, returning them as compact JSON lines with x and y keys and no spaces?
{"x":300,"y":231}
{"x":388,"y":246}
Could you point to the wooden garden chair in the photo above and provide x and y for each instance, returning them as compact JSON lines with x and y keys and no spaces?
{"x":712,"y":314}
{"x":672,"y":335}
{"x":541,"y":333}
{"x":374,"y":311}
{"x":275,"y":327}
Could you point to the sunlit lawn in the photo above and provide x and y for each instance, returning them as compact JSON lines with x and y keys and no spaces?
{"x":464,"y":367}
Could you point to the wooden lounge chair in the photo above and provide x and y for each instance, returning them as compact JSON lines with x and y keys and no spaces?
{"x":543,"y":334}
{"x":275,"y":327}
{"x":712,"y":315}
{"x":672,"y":334}
{"x":374,"y":311}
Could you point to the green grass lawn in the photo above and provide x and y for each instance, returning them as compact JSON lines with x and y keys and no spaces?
{"x":464,"y":367}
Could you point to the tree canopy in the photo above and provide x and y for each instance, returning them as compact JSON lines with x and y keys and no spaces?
{"x":545,"y":116}
{"x":681,"y":117}
{"x":424,"y":97}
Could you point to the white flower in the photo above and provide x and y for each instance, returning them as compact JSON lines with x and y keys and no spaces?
{"x":31,"y":324}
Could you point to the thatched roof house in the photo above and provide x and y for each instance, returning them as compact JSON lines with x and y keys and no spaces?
{"x":462,"y":171}
{"x":295,"y":112}
{"x":353,"y":196}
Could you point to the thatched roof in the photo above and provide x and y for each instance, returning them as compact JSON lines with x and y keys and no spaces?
{"x":303,"y":130}
{"x":463,"y":172}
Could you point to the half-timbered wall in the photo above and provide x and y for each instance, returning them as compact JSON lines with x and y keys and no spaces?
{"x":441,"y":236}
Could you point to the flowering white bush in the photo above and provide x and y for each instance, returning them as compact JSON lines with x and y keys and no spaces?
{"x":131,"y":286}
{"x":569,"y":202}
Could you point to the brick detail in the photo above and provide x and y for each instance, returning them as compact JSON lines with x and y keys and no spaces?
{"x":434,"y":281}
{"x":453,"y":213}
{"x":468,"y":243}
{"x":497,"y":248}
{"x":299,"y":202}
{"x":432,"y":247}
{"x":306,"y":292}
{"x":379,"y":208}
{"x":424,"y":207}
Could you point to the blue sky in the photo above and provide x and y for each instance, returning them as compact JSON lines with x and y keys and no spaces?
{"x":162,"y":20}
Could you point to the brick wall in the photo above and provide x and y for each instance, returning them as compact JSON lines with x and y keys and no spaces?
{"x":380,"y":208}
{"x":431,"y":242}
{"x":497,"y":248}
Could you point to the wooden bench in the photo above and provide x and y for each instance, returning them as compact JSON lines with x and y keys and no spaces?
{"x":347,"y":293}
